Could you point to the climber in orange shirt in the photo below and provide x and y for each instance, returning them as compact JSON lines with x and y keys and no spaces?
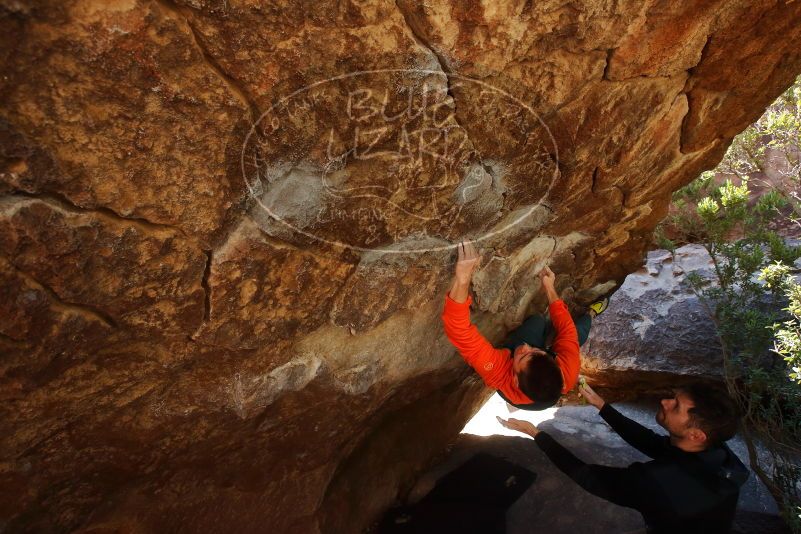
{"x":526,"y":373}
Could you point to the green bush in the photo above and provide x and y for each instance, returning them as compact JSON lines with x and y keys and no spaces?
{"x":756,"y":301}
{"x":756,"y":306}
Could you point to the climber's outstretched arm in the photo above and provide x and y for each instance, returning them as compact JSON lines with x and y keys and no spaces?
{"x":566,"y":344}
{"x":467,"y":262}
{"x":492,"y":364}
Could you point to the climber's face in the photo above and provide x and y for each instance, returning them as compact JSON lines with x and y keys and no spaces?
{"x":523,"y":355}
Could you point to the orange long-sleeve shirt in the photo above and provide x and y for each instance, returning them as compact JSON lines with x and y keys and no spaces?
{"x":495,"y":365}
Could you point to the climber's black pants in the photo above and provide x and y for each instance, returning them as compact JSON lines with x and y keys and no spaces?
{"x":537,"y":329}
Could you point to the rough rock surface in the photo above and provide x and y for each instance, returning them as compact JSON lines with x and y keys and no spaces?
{"x":656,"y":330}
{"x":221,"y":279}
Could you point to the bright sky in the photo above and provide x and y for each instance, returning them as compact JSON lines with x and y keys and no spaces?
{"x":484,"y":423}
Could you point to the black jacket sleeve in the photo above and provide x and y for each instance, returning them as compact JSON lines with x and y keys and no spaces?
{"x":643,"y":439}
{"x":624,"y":486}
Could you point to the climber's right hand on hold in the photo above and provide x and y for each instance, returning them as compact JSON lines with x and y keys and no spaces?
{"x":548,"y":280}
{"x":547,"y":277}
{"x":467,"y":261}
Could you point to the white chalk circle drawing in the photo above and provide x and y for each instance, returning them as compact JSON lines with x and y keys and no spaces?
{"x":371,"y":159}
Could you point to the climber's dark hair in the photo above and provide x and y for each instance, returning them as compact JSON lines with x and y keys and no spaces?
{"x":541,"y":380}
{"x":715,"y":412}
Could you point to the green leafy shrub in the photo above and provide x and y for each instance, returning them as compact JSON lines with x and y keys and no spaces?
{"x":756,"y":306}
{"x":756,"y":301}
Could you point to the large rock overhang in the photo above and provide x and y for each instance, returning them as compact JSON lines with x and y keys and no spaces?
{"x":203,"y":327}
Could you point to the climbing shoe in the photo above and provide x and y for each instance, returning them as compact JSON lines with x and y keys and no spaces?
{"x":599,"y":306}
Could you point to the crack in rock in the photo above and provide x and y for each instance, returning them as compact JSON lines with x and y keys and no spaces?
{"x":234,"y":85}
{"x":609,"y":54}
{"x":419,"y":38}
{"x":63,"y":203}
{"x":81,"y":308}
{"x":204,"y":282}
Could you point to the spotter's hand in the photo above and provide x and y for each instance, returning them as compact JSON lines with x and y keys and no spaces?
{"x":521,"y":426}
{"x":592,"y":397}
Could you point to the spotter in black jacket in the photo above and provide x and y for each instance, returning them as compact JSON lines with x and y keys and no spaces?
{"x":677,"y":491}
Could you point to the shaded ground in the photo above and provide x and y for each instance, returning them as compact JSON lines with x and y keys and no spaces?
{"x":473,"y":498}
{"x":553,"y":503}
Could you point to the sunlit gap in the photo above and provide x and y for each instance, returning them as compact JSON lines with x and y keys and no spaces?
{"x":484,"y":423}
